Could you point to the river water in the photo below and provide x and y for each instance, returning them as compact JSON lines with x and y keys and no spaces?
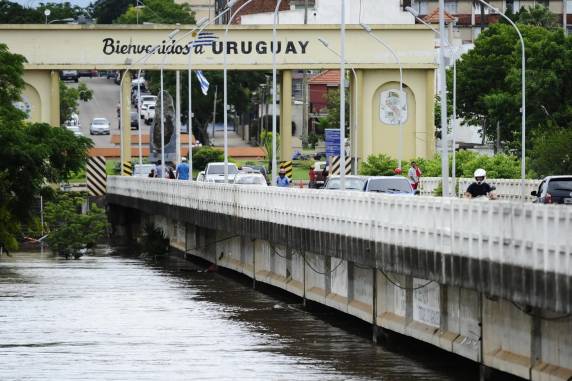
{"x":117,"y":318}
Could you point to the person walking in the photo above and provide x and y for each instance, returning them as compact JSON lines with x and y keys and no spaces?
{"x":282,"y":180}
{"x":183,"y":169}
{"x":414,"y":175}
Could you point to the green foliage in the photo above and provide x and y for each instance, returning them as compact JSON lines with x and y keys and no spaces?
{"x":333,"y":109}
{"x":154,"y":241}
{"x":30,"y":154}
{"x":70,"y":230}
{"x":378,"y":165}
{"x":489,"y":79}
{"x":538,"y":15}
{"x":552,"y":153}
{"x":106,"y":11}
{"x":498,"y":166}
{"x":266,"y":140}
{"x":70,"y":97}
{"x":14,"y":13}
{"x":313,"y":139}
{"x":157,"y":12}
{"x":204,"y":155}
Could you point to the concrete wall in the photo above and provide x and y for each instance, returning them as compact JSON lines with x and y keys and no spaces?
{"x":534,"y":345}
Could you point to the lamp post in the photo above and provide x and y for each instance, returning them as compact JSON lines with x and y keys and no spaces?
{"x":443,"y":90}
{"x":225,"y":86}
{"x":402,"y":102}
{"x":274,"y":160}
{"x":47,"y":12}
{"x":455,"y":56}
{"x":343,"y":96}
{"x":523,"y":100}
{"x":326,"y":44}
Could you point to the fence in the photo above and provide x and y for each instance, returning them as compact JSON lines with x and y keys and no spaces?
{"x":507,"y":189}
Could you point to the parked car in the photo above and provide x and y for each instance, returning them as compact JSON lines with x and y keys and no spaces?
{"x":69,"y":75}
{"x":145,"y":98}
{"x":144,"y":106}
{"x":554,"y":190}
{"x":250,"y":179}
{"x":394,"y":185}
{"x":215,"y":172}
{"x":143,"y":170}
{"x":352,"y":183}
{"x":100,"y":126}
{"x":149,"y":114}
{"x":134,"y":121}
{"x":87,"y":73}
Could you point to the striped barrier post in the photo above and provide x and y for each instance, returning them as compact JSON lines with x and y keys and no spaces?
{"x":287,"y":166}
{"x":336,"y":165}
{"x":127,"y":169}
{"x":96,"y":178}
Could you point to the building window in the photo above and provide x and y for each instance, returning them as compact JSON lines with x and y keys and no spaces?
{"x":421,"y":6}
{"x":301,"y":4}
{"x":451,"y":6}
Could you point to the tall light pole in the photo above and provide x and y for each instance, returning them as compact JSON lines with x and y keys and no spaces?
{"x":225,"y":86}
{"x":455,"y":56}
{"x":326,"y":44}
{"x":343,"y":97}
{"x":402,"y":102}
{"x":443,"y":92}
{"x":274,"y":159}
{"x":523,"y":100}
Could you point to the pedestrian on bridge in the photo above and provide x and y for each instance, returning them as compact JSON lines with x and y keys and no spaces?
{"x":282,"y":180}
{"x":183,"y":169}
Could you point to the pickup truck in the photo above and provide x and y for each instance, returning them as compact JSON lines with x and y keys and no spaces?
{"x":214,"y":173}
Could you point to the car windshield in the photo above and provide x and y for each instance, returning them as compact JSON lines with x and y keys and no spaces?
{"x":560,"y":185}
{"x":389,"y":185}
{"x":351,"y":183}
{"x":218,"y":169}
{"x":252,"y":180}
{"x":99,"y":121}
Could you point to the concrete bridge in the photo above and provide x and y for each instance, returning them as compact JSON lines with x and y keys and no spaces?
{"x":490,"y":281}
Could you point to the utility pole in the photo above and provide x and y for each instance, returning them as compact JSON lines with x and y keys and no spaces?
{"x":214,"y":111}
{"x":305,"y":91}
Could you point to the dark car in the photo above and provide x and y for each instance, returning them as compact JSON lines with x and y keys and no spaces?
{"x":87,"y":73}
{"x":134,"y":121}
{"x":69,"y":75}
{"x":554,"y":190}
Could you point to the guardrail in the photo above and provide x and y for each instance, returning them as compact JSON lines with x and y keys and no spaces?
{"x":507,"y":189}
{"x":520,"y":234}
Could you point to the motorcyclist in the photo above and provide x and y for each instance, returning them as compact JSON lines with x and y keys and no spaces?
{"x":480,"y":188}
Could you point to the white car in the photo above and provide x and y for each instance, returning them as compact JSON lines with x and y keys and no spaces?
{"x":214,"y":173}
{"x":149,"y":114}
{"x":250,"y":179}
{"x":100,"y":126}
{"x":144,"y":106}
{"x":74,"y":129}
{"x":143,"y":170}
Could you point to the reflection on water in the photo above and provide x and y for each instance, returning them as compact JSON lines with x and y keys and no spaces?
{"x":114,"y":318}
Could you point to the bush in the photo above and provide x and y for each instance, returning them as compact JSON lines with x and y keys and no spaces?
{"x":204,"y":155}
{"x":378,"y":165}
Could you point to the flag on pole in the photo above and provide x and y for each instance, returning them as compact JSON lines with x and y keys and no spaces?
{"x":203,"y":82}
{"x":204,"y":39}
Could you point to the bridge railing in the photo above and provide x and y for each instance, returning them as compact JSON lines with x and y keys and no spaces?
{"x":520,"y":234}
{"x":507,"y":189}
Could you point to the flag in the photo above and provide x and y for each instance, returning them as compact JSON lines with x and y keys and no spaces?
{"x":204,"y":39}
{"x":203,"y":81}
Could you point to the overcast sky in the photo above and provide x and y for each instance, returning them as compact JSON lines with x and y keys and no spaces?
{"x":33,"y":3}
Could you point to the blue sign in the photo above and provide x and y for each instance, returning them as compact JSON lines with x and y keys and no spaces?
{"x":332,"y":136}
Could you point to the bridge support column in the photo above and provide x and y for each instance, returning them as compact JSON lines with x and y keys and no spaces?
{"x":286,"y":115}
{"x":125,"y":122}
{"x":55,"y":98}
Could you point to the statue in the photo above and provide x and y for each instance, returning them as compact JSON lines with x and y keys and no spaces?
{"x":169,"y":131}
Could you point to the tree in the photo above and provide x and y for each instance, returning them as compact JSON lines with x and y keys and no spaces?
{"x":106,"y":11}
{"x":70,"y":97}
{"x":30,"y":153}
{"x":70,"y":230}
{"x":204,"y":155}
{"x":489,"y":81}
{"x":333,"y":109}
{"x":552,"y":153}
{"x":537,"y":15}
{"x":14,"y":13}
{"x":158,"y":12}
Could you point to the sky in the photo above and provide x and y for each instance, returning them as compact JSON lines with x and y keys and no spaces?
{"x":33,"y":3}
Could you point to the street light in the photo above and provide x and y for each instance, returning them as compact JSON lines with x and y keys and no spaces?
{"x":523,"y":106}
{"x":326,"y":44}
{"x":444,"y":131}
{"x":455,"y":56}
{"x":274,"y":159}
{"x":367,"y":28}
{"x":47,"y":12}
{"x":343,"y":96}
{"x":225,"y":86}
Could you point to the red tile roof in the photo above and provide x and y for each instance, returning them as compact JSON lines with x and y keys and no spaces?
{"x":328,"y":77}
{"x":433,"y":17}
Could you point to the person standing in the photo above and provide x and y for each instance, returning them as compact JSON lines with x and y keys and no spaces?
{"x":183,"y":169}
{"x":282,"y":180}
{"x":414,"y":175}
{"x":158,"y":170}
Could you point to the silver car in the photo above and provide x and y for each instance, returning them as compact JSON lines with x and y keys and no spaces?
{"x":99,"y":126}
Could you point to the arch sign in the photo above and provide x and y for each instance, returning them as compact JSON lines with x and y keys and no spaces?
{"x":247,"y":47}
